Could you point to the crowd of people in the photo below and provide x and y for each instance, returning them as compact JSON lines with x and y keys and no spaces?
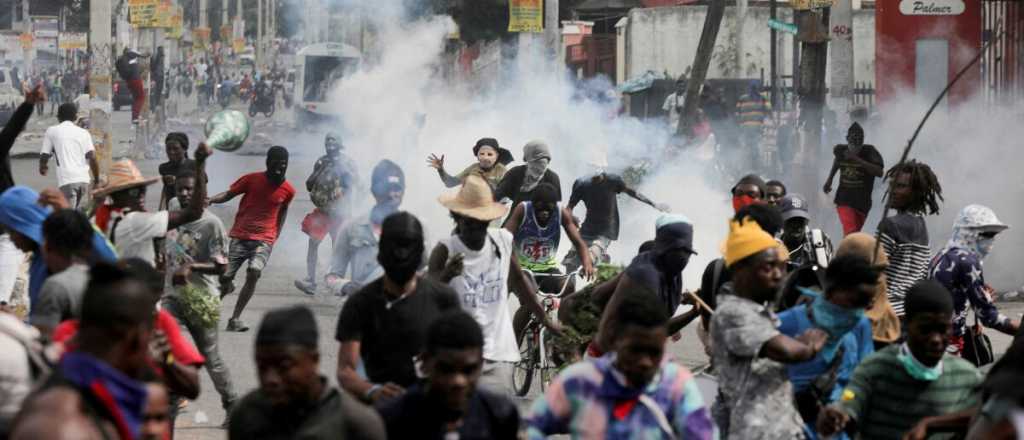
{"x":867,"y":339}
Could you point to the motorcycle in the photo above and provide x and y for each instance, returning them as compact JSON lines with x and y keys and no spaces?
{"x":224,"y":92}
{"x":262,"y":101}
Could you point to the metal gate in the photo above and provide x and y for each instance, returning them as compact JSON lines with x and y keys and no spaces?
{"x":1002,"y":66}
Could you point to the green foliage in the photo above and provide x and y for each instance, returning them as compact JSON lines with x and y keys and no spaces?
{"x":199,"y":306}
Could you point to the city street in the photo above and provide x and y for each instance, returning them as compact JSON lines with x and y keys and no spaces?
{"x":202,"y":418}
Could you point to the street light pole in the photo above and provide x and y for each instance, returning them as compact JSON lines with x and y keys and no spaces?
{"x":101,"y":66}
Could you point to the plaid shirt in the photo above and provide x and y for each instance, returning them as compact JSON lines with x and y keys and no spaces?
{"x":588,"y":401}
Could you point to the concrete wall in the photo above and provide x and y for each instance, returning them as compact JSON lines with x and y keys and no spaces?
{"x":665,"y":40}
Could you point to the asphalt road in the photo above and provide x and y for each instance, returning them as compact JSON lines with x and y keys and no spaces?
{"x":202,"y":418}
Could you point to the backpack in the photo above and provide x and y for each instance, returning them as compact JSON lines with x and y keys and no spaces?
{"x":328,"y":186}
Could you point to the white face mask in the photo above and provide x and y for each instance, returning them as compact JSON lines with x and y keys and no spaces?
{"x":984,"y":246}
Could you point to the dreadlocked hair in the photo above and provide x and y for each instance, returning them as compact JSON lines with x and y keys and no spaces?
{"x":924,"y":183}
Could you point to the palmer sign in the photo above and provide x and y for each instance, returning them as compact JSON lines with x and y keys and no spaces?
{"x":931,"y":7}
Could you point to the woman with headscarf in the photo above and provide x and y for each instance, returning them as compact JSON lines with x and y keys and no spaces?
{"x":519,"y":182}
{"x":885,"y":326}
{"x":490,"y":164}
{"x":958,"y":267}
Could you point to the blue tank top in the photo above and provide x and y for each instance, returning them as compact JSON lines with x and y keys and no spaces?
{"x":536,"y":246}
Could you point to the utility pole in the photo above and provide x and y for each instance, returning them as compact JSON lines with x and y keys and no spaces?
{"x":842,"y":60}
{"x":30,"y":50}
{"x":259,"y":32}
{"x":739,"y":34}
{"x":712,"y":23}
{"x":552,"y":42}
{"x":773,"y":71}
{"x":813,"y":33}
{"x":101,"y":66}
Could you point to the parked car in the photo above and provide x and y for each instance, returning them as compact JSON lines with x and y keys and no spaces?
{"x":122,"y":95}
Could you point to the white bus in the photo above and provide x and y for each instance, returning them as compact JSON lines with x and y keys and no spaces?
{"x":318,"y":68}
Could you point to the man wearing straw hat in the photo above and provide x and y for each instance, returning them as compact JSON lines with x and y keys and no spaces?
{"x":487,"y":268}
{"x":128,"y":226}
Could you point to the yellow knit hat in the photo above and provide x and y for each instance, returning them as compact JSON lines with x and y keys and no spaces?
{"x":746,"y":238}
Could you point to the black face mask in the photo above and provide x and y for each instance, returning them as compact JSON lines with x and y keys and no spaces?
{"x":400,"y":258}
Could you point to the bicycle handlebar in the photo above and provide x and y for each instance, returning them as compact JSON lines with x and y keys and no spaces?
{"x":533,"y":278}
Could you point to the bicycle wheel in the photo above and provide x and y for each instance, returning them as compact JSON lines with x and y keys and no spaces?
{"x":529,"y":355}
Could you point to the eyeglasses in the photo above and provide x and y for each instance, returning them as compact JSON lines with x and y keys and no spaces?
{"x":988,"y":234}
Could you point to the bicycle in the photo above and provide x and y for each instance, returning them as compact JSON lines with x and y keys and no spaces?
{"x":536,"y":351}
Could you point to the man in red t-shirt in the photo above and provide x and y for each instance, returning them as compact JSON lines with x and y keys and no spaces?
{"x":261,"y":215}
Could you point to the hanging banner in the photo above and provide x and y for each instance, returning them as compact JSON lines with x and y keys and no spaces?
{"x":26,"y":40}
{"x":226,"y":32}
{"x":201,"y":38}
{"x":238,"y":44}
{"x":174,"y":32}
{"x":72,"y":40}
{"x":526,"y":16}
{"x":142,"y":12}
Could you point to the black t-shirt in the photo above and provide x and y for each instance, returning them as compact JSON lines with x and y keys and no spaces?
{"x":513,"y":181}
{"x":602,"y":204}
{"x":413,"y":415}
{"x":172,"y":169}
{"x":855,"y":184}
{"x":668,"y":287}
{"x":392,"y":336}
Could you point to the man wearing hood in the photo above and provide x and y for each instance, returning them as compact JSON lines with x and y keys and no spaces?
{"x":22,"y":214}
{"x":959,"y":268}
{"x":519,"y":182}
{"x":385,"y":323}
{"x":355,"y":250}
{"x":658,"y":272}
{"x":261,"y":214}
{"x":859,"y":164}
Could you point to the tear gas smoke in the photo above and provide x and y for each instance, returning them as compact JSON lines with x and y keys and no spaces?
{"x":406,"y":102}
{"x":399,"y":106}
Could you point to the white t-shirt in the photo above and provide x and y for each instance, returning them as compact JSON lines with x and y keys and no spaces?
{"x":68,"y":144}
{"x":133,"y":234}
{"x":483,"y":291}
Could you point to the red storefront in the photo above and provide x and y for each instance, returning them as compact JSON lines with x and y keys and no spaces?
{"x":920,"y":45}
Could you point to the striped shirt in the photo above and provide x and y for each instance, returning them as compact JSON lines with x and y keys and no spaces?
{"x":887,"y":402}
{"x":588,"y":401}
{"x":905,"y":240}
{"x":752,"y":110}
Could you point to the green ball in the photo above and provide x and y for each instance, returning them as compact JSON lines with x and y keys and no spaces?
{"x":227,"y":130}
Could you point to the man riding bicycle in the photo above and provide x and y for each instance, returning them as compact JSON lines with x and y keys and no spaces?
{"x":535,"y":226}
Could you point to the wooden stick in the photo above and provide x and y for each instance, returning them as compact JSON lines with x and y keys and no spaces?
{"x":700,"y":302}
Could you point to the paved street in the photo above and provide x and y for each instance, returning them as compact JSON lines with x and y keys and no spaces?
{"x":202,"y":418}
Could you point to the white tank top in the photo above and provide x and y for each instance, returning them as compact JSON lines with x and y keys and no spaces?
{"x":483,"y":291}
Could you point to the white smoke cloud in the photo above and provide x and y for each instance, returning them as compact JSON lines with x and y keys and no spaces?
{"x":533,"y":99}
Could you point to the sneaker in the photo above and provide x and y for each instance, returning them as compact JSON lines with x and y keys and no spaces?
{"x":236,"y":325}
{"x":306,"y":286}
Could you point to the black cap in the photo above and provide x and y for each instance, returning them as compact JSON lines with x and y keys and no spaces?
{"x":793,"y":206}
{"x":288,"y":326}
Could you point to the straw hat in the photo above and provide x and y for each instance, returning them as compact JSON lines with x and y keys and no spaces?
{"x":474,"y":199}
{"x":123,"y":175}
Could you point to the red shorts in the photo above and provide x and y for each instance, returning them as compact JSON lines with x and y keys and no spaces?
{"x":318,"y":224}
{"x":852,"y":219}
